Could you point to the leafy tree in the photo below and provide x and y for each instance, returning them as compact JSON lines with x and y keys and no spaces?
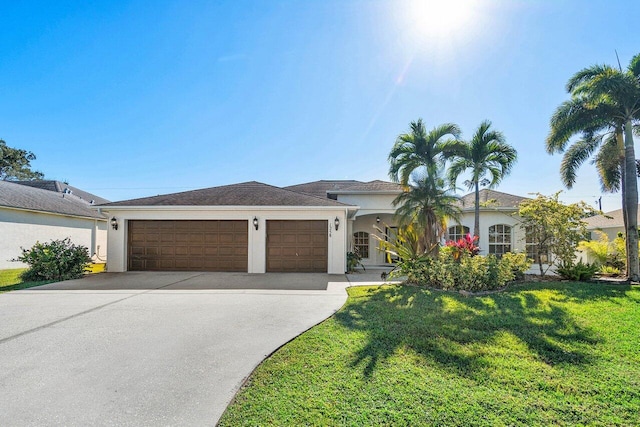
{"x":426,"y":205}
{"x":554,"y":229}
{"x":603,"y":101}
{"x":15,"y":164}
{"x":420,"y":150}
{"x":487,"y":153}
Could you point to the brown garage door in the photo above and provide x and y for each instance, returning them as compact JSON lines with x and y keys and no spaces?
{"x":188,"y":245}
{"x":299,"y":246}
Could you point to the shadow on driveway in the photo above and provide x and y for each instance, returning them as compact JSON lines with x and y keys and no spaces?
{"x":135,"y":280}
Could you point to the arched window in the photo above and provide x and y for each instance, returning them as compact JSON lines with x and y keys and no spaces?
{"x":361,"y":243}
{"x":536,"y":251}
{"x":499,"y":239}
{"x":457,"y":232}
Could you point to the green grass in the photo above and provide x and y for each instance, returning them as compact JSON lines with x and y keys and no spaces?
{"x":10,"y":280}
{"x":535,"y":355}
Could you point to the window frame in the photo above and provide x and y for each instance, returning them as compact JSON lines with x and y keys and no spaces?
{"x":360,"y":242}
{"x":499,"y":230}
{"x":456,"y":236}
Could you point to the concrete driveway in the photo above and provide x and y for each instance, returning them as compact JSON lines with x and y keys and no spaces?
{"x":147,"y":348}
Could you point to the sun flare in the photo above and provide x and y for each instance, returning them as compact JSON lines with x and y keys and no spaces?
{"x":438,"y":18}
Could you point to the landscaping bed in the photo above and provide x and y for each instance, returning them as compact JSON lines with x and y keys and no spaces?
{"x":537,"y":354}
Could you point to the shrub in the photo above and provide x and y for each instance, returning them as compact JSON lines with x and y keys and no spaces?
{"x":519,"y":264}
{"x":56,"y":260}
{"x":579,"y":272}
{"x":465,"y":245}
{"x":461,"y":271}
{"x":354,"y":260}
{"x":607,"y":270}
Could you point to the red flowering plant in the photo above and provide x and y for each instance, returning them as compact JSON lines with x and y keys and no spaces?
{"x":465,"y":245}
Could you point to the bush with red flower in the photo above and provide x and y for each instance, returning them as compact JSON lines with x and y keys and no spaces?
{"x":463,"y":246}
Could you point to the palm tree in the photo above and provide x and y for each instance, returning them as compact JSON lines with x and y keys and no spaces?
{"x":420,"y":149}
{"x":603,"y":99}
{"x":487,"y":153}
{"x":426,"y":205}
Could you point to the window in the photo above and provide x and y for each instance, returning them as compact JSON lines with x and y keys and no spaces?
{"x":532,"y":248}
{"x":499,"y":239}
{"x":457,"y":232}
{"x":361,"y":243}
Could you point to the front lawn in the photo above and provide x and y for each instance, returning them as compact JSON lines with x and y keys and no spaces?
{"x":538,"y":354}
{"x":10,"y":280}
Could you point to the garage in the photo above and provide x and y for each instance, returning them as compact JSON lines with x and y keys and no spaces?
{"x":297,"y":246}
{"x":184,"y":245}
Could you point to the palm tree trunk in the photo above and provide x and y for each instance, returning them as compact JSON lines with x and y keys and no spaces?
{"x":623,"y":188}
{"x":476,"y":221}
{"x":631,"y":203}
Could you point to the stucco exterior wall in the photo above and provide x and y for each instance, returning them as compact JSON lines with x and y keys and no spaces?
{"x":489,"y":218}
{"x":117,"y":256}
{"x":20,"y":228}
{"x":369,"y":203}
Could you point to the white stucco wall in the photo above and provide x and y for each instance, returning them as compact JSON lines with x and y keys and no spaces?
{"x":369,"y":203}
{"x":20,"y":228}
{"x":337,"y":240}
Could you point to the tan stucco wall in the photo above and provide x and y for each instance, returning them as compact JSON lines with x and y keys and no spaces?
{"x":257,"y":238}
{"x":20,"y":228}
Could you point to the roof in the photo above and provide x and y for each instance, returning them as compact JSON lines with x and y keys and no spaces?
{"x":245,"y":194}
{"x":61,"y":187}
{"x":322,"y":187}
{"x":13,"y":195}
{"x":492,"y":199}
{"x":611,"y":219}
{"x":376,"y":186}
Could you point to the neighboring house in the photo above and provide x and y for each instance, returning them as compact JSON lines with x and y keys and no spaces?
{"x":32,"y":211}
{"x":610,"y":223}
{"x":257,"y":228}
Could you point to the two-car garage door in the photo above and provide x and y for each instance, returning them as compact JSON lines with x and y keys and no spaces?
{"x":222,"y":245}
{"x":188,"y":245}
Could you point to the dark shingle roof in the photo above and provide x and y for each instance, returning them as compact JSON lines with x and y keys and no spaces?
{"x":245,"y":194}
{"x":320,"y":188}
{"x":14,"y":195}
{"x":371,"y":187}
{"x":61,"y":187}
{"x":492,"y":199}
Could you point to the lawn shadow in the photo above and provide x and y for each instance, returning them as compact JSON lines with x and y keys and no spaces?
{"x":447,"y":328}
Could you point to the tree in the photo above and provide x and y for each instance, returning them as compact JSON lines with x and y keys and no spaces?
{"x":487,"y":153}
{"x":15,"y":164}
{"x":426,"y":205}
{"x":553,"y":228}
{"x":420,"y":150}
{"x":604,"y":98}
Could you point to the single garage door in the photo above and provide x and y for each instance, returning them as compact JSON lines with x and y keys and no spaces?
{"x":299,"y":246}
{"x":188,"y":245}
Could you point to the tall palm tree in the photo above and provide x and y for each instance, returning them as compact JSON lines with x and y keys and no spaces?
{"x":487,"y":153}
{"x":604,"y":98}
{"x":420,"y":150}
{"x":426,"y":205}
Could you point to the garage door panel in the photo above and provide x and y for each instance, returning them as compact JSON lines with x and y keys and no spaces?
{"x":188,"y":245}
{"x":297,"y":246}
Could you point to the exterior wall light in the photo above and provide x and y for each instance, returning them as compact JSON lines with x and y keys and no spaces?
{"x":114,"y":223}
{"x":378,"y":219}
{"x":255,"y":222}
{"x":336,"y":222}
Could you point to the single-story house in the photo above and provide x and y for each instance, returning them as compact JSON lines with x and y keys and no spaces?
{"x":43,"y":210}
{"x":610,"y":223}
{"x":257,"y":228}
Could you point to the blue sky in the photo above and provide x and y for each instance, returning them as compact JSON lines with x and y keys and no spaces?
{"x":135,"y":98}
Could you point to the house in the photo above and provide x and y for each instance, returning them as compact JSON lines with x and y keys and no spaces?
{"x":32,"y":211}
{"x":257,"y":228}
{"x":610,"y":223}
